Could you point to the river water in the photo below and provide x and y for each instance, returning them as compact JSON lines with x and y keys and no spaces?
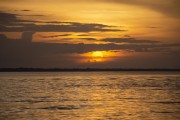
{"x":89,"y":96}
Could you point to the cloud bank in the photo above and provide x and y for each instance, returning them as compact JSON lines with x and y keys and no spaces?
{"x":27,"y":53}
{"x":10,"y":23}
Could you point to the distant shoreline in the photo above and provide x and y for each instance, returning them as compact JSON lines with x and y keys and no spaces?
{"x":80,"y":70}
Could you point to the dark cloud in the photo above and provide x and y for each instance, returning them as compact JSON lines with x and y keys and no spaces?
{"x":127,"y":36}
{"x":27,"y":37}
{"x":88,"y":38}
{"x":25,"y":53}
{"x":128,"y":40}
{"x":58,"y":28}
{"x":9,"y":19}
{"x":54,"y":36}
{"x":152,"y":27}
{"x":26,"y":10}
{"x":34,"y":16}
{"x":76,"y":48}
{"x":10,"y":23}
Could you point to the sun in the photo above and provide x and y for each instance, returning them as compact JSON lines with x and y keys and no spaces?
{"x":97,"y":54}
{"x":100,"y":56}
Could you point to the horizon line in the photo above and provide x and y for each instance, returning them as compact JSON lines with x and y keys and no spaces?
{"x":24,"y":69}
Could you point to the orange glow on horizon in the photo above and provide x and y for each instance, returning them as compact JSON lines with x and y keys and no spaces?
{"x":100,"y":56}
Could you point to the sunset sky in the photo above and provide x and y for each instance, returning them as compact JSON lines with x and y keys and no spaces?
{"x":90,"y":33}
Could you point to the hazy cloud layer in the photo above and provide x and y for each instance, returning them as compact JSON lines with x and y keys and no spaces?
{"x":167,"y":7}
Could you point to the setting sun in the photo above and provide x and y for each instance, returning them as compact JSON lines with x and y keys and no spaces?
{"x":100,"y":56}
{"x":97,"y":54}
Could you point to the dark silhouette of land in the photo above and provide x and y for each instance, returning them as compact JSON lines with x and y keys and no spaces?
{"x":78,"y":69}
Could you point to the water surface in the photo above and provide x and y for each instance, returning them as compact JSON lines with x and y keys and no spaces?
{"x":89,"y":96}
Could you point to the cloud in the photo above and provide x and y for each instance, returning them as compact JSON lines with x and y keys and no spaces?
{"x":9,"y":19}
{"x":75,"y":48}
{"x":59,"y":28}
{"x":88,"y":38}
{"x":128,"y":40}
{"x":34,"y":15}
{"x":26,"y":10}
{"x":152,"y":27}
{"x":54,"y":36}
{"x":25,"y":53}
{"x":127,"y":36}
{"x":27,"y":37}
{"x":10,"y":23}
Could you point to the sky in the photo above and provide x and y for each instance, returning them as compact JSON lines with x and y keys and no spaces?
{"x":90,"y":33}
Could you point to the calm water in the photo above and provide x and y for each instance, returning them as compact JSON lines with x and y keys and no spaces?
{"x":89,"y":96}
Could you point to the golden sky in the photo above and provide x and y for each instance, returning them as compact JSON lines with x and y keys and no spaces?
{"x":90,"y":33}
